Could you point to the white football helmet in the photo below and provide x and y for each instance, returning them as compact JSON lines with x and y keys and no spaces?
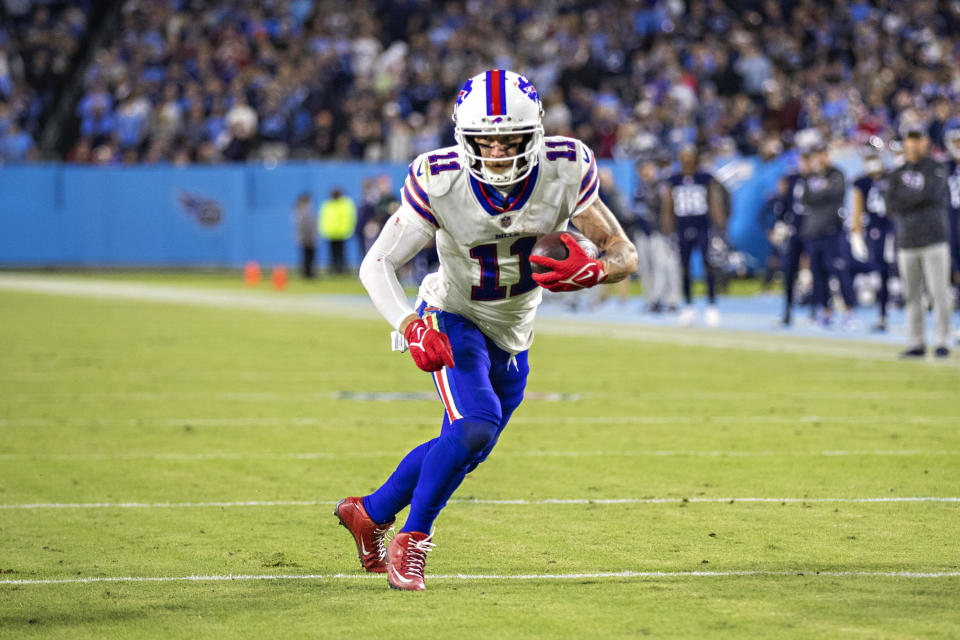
{"x":952,"y":142}
{"x":499,"y":102}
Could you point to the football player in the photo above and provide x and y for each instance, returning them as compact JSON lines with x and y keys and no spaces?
{"x":786,"y":231}
{"x":693,"y":209}
{"x":824,"y":192}
{"x":869,"y":211}
{"x":952,"y":139}
{"x":486,"y":201}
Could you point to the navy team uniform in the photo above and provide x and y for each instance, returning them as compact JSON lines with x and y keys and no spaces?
{"x":691,"y":210}
{"x":878,"y":231}
{"x":953,"y":183}
{"x":822,"y":232}
{"x":792,"y":216}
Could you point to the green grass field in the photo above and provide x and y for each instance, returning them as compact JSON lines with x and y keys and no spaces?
{"x":123,"y":420}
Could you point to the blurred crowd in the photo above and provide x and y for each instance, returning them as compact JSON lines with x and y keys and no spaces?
{"x":196,"y":81}
{"x":38,"y":41}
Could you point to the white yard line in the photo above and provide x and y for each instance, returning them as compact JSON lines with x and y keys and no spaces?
{"x":612,"y":575}
{"x":513,"y":502}
{"x":308,"y":421}
{"x":420,"y":396}
{"x":356,"y":307}
{"x":328,"y":455}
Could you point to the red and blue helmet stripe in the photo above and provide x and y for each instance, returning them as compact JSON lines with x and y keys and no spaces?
{"x":496,"y":92}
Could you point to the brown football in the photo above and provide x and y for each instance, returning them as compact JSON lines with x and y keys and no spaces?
{"x":551,"y":246}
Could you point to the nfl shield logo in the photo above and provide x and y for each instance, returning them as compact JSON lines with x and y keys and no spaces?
{"x":506,"y":221}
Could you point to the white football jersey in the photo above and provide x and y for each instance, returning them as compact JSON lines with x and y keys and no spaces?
{"x":484,"y":236}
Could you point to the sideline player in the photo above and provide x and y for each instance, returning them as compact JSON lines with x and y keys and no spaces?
{"x":869,"y":218}
{"x":952,"y":139}
{"x":692,"y":206}
{"x":786,"y":232}
{"x":823,"y":197}
{"x":487,"y":200}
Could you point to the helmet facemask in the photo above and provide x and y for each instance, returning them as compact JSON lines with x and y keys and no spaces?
{"x":521,"y":164}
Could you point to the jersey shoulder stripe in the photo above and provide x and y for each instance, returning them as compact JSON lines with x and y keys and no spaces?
{"x":592,"y":186}
{"x":590,"y":180}
{"x":414,"y":204}
{"x":417,"y":189}
{"x":415,"y":196}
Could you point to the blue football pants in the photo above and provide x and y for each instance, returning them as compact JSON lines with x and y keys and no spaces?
{"x":479,"y":394}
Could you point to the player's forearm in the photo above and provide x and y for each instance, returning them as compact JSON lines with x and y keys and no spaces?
{"x":398,"y":242}
{"x":379,"y":278}
{"x":856,"y":219}
{"x":856,"y":223}
{"x":716,"y":205}
{"x":619,"y":260}
{"x":601,"y":227}
{"x":666,"y":216}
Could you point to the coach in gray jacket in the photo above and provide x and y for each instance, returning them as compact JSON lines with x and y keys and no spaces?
{"x":917,"y":199}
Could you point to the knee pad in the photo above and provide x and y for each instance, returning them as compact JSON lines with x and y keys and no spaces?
{"x":475,"y":435}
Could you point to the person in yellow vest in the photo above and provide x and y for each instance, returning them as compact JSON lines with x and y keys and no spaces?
{"x":337,"y":221}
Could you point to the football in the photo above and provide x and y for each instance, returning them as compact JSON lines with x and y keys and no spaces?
{"x":551,"y":246}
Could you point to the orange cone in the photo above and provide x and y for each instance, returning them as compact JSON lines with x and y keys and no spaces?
{"x":251,"y":274}
{"x":279,"y":278}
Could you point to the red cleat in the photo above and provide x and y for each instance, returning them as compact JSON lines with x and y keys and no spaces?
{"x":369,"y":536}
{"x":406,"y":556}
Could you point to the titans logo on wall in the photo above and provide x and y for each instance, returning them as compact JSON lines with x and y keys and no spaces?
{"x":207,"y":212}
{"x":527,"y":87}
{"x":464,"y":91}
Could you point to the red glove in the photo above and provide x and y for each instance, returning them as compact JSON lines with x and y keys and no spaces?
{"x":430,"y":348}
{"x":577,"y":271}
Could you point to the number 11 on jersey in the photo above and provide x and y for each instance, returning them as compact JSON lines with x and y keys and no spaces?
{"x":489,"y":287}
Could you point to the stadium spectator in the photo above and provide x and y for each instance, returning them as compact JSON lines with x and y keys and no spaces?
{"x":16,"y":145}
{"x":39,"y":41}
{"x":331,"y":78}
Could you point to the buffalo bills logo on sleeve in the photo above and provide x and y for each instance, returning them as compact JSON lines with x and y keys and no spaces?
{"x":527,"y":87}
{"x":464,"y":91}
